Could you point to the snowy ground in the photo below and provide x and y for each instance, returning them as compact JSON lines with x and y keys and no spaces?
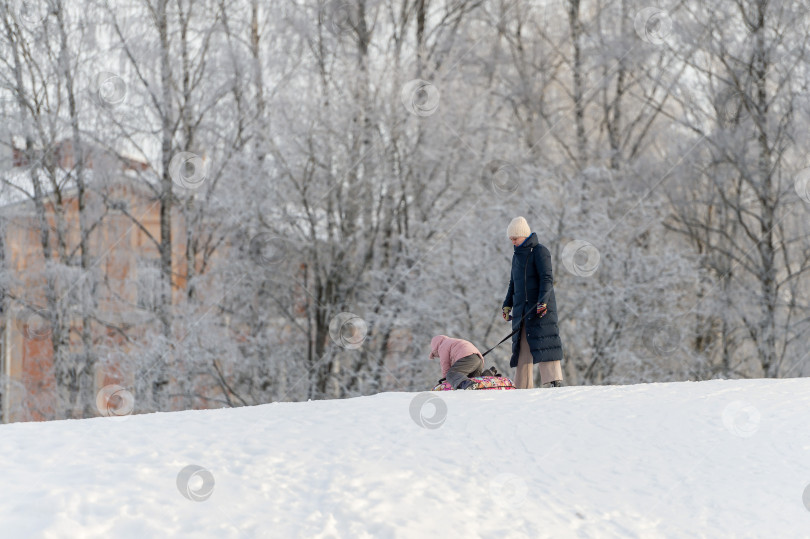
{"x":707,"y":459}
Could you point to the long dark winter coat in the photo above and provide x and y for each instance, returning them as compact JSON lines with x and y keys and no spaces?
{"x":530,"y":284}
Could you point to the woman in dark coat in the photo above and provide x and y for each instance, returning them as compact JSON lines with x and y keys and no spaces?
{"x":531,"y":306}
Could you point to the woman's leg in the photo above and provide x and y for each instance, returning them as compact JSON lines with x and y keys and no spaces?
{"x":524,"y":375}
{"x":550,"y":371}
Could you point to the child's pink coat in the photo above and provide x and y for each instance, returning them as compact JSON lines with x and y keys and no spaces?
{"x":450,"y":350}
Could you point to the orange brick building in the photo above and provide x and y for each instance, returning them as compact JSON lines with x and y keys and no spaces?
{"x":122,"y":276}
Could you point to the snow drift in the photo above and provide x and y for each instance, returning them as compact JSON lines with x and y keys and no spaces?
{"x":710,"y":459}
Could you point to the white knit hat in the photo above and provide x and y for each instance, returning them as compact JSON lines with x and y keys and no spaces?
{"x":518,"y":228}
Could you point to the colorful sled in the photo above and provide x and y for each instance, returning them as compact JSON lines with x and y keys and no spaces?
{"x":481,"y":382}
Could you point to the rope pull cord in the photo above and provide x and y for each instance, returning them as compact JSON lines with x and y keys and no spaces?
{"x":525,"y":293}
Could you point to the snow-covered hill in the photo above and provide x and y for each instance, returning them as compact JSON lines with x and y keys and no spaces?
{"x":707,"y":459}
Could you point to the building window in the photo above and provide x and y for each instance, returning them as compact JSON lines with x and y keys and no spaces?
{"x":148,"y":283}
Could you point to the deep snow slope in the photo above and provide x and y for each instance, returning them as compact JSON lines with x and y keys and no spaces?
{"x":692,"y":459}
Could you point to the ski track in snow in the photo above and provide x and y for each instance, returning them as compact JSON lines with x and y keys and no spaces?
{"x":707,"y":459}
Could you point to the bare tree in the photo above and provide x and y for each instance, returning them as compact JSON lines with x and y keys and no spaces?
{"x":740,"y":213}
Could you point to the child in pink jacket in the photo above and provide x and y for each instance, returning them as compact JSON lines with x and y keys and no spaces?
{"x":459,"y":360}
